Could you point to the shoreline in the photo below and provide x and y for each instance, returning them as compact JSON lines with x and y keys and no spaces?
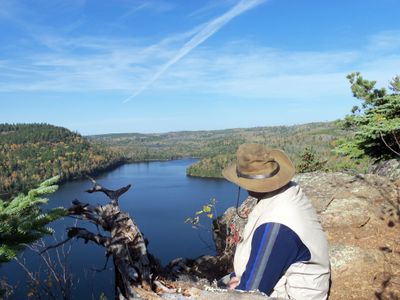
{"x":109,"y":168}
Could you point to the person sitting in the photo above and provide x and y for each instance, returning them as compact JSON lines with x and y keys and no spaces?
{"x":283,"y":251}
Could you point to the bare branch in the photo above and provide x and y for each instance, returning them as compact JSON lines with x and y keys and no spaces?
{"x":126,"y":243}
{"x":111,"y":194}
{"x":87,"y":212}
{"x":35,"y":280}
{"x":82,"y":233}
{"x":397,"y":141}
{"x":119,"y":192}
{"x":62,"y":276}
{"x":55,"y":245}
{"x":91,"y":179}
{"x":387,"y":145}
{"x":105,"y":265}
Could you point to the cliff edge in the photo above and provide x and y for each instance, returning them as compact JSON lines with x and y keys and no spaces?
{"x":361,"y":217}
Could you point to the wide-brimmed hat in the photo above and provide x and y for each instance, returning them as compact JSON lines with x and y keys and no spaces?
{"x":259,"y":168}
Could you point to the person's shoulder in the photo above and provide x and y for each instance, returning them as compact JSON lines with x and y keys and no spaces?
{"x":292,"y":190}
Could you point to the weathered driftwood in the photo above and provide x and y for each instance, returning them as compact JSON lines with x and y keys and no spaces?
{"x":138,"y":275}
{"x":126,"y":244}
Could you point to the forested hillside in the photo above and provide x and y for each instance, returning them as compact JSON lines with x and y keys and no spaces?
{"x":310,"y":147}
{"x":31,"y":153}
{"x":217,"y":148}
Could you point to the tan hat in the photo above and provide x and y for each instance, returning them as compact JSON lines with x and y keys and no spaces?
{"x":260,"y":169}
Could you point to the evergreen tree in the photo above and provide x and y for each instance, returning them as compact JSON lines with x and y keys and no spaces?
{"x":309,"y":161}
{"x":22,"y":220}
{"x":376,"y":122}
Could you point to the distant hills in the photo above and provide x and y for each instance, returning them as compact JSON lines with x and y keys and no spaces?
{"x":31,"y":153}
{"x":217,"y":148}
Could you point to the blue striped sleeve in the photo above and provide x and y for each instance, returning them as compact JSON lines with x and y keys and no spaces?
{"x":274,"y":248}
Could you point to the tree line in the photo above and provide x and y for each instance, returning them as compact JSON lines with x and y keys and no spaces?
{"x":31,"y":153}
{"x":369,"y":134}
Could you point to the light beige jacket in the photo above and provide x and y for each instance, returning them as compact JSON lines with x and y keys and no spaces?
{"x":303,"y":280}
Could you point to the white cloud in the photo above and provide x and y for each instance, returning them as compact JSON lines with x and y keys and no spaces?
{"x":210,"y":8}
{"x":138,"y":6}
{"x":207,"y":31}
{"x":239,"y":69}
{"x":263,"y":73}
{"x":384,"y":41}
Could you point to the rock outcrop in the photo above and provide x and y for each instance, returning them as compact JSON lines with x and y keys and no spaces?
{"x":389,"y":168}
{"x":360,"y":214}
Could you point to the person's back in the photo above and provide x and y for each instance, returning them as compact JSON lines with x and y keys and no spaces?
{"x":284,"y":250}
{"x":306,"y":279}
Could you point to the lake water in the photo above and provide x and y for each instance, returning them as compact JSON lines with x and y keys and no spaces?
{"x":160,"y":199}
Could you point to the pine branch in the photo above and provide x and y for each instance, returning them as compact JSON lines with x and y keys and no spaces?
{"x":22,"y":220}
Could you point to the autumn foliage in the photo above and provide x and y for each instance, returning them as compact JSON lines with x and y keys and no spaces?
{"x":31,"y":153}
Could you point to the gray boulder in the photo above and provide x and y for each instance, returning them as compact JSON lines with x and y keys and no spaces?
{"x":389,"y":168}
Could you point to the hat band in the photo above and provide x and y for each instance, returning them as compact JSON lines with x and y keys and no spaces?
{"x":259,"y":176}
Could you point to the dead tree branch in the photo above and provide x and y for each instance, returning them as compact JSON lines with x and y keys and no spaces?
{"x":54,"y":246}
{"x":58,"y":282}
{"x":134,"y":266}
{"x":113,"y":195}
{"x":82,"y":233}
{"x":136,"y":270}
{"x":387,"y":145}
{"x":397,"y":141}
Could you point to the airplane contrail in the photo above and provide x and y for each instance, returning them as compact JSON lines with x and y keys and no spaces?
{"x":209,"y":29}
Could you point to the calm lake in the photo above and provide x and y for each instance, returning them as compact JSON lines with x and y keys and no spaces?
{"x":160,"y":199}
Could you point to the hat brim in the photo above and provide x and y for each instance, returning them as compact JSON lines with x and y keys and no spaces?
{"x":285,"y":174}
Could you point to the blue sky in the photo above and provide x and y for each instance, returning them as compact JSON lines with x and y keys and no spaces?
{"x":98,"y":66}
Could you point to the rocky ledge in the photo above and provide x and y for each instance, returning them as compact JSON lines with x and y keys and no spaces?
{"x":360,"y":214}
